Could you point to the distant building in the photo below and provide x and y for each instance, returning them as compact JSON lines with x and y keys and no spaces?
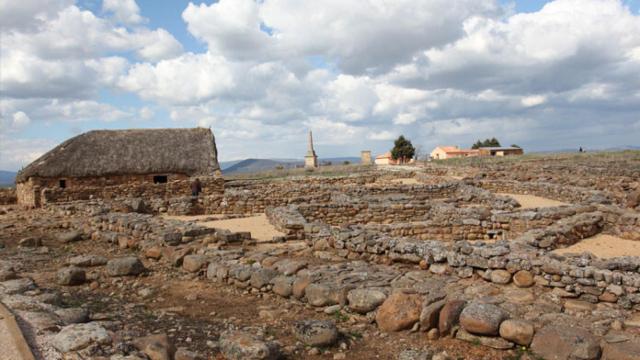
{"x":500,"y":151}
{"x":451,"y":152}
{"x":97,"y":159}
{"x":311,"y":159}
{"x":385,"y":159}
{"x":365,"y":157}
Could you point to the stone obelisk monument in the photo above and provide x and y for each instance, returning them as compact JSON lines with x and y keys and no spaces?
{"x":311,"y":159}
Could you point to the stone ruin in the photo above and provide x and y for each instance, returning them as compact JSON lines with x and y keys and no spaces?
{"x":442,"y":267}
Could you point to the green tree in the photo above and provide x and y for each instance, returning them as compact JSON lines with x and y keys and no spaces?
{"x":516,"y":146}
{"x":402,"y":150}
{"x":493,"y":142}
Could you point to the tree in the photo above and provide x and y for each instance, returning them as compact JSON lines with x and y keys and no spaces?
{"x":516,"y":146}
{"x":493,"y":142}
{"x":402,"y":150}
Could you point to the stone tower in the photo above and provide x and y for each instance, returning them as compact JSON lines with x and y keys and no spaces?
{"x":311,"y":159}
{"x":365,"y":157}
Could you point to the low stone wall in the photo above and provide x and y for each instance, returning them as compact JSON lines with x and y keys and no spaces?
{"x":8,"y":196}
{"x":570,"y":194}
{"x":210,"y":185}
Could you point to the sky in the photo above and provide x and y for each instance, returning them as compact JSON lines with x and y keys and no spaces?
{"x":541,"y":74}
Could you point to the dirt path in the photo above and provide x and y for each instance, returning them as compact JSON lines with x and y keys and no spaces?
{"x":531,"y":201}
{"x":604,"y":246}
{"x":259,"y":226}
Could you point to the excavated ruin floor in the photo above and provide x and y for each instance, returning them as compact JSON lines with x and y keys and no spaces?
{"x":259,"y":226}
{"x":604,"y":246}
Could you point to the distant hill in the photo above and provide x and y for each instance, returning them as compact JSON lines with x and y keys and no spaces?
{"x":7,"y":178}
{"x":258,"y":165}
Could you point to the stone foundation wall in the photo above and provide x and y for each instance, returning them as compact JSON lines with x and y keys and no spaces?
{"x":133,"y":189}
{"x":570,"y":194}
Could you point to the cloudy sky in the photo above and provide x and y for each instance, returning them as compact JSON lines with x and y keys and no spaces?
{"x":541,"y":74}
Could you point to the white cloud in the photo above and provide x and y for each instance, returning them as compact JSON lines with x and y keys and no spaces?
{"x":146,"y":113}
{"x":20,"y":119}
{"x":382,"y":135}
{"x":186,"y":79}
{"x":533,"y":100}
{"x":124,"y":11}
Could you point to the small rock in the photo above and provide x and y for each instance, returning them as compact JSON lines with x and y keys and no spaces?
{"x":87,"y":260}
{"x":125,"y":266}
{"x":194,"y":263}
{"x":500,"y":277}
{"x":482,"y":319}
{"x":30,"y":242}
{"x":70,"y":276}
{"x":75,"y":315}
{"x":517,"y":331}
{"x":364,"y":300}
{"x":492,"y":342}
{"x":450,"y":315}
{"x":156,"y":347}
{"x":315,"y":332}
{"x":523,"y":279}
{"x":69,"y":236}
{"x":79,"y":336}
{"x":237,"y":345}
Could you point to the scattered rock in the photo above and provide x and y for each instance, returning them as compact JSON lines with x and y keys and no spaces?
{"x":517,"y":331}
{"x":500,"y":277}
{"x":70,"y":276}
{"x":482,"y":319}
{"x":237,"y":345}
{"x":523,"y":279}
{"x":16,"y":286}
{"x":364,"y":300}
{"x":30,"y":242}
{"x":563,"y":342}
{"x":194,"y":263}
{"x":125,"y":266}
{"x":69,"y":236}
{"x":450,"y":315}
{"x":79,"y":336}
{"x":87,"y":260}
{"x":400,"y":311}
{"x":156,"y":347}
{"x":430,"y":315}
{"x":492,"y":342}
{"x":627,"y":350}
{"x":315,"y":332}
{"x":75,"y":315}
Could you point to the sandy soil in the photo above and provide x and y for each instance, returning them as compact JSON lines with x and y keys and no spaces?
{"x":604,"y":246}
{"x":531,"y":201}
{"x":259,"y":226}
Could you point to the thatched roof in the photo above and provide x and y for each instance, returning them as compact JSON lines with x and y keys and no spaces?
{"x":124,"y":152}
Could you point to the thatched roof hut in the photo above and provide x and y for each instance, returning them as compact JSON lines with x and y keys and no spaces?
{"x":129,"y":152}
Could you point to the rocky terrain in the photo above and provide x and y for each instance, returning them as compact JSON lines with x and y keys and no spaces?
{"x":368,"y":267}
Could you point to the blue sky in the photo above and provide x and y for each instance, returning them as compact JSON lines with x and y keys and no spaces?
{"x":261,"y":74}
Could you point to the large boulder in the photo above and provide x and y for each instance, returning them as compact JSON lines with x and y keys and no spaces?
{"x":364,"y":300}
{"x":125,"y":266}
{"x":283,"y":285}
{"x":450,"y":315}
{"x":70,"y":276}
{"x":518,"y":331}
{"x":562,"y":342}
{"x":324,"y":294}
{"x":482,"y":319}
{"x":400,"y":311}
{"x":79,"y":336}
{"x":87,"y":260}
{"x":238,"y":345}
{"x":315,"y":332}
